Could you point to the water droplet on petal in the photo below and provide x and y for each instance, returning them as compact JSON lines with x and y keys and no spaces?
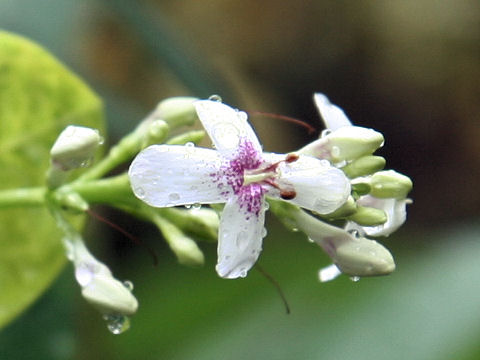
{"x":325,"y":132}
{"x":128,"y":284}
{"x":190,"y":144}
{"x":139,"y":192}
{"x":242,"y":115}
{"x":117,"y":324}
{"x":335,"y":151}
{"x":188,"y":206}
{"x":324,"y":163}
{"x":266,"y":206}
{"x":215,"y":97}
{"x":242,"y":240}
{"x":101,"y":140}
{"x":354,"y":233}
{"x":264,"y":232}
{"x":355,"y":278}
{"x":174,"y":197}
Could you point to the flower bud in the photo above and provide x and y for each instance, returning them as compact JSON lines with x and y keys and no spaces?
{"x":186,"y":250}
{"x":368,"y":216}
{"x":390,"y":184}
{"x":156,"y":132}
{"x":347,"y":209}
{"x":74,"y":147}
{"x":363,"y":257}
{"x":110,"y":296}
{"x":364,"y":165}
{"x":177,"y":111}
{"x":345,"y":143}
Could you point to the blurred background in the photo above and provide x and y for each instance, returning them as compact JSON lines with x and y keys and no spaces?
{"x":409,"y":69}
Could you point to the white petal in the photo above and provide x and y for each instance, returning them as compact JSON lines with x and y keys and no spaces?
{"x":332,"y":115}
{"x":226,"y":126}
{"x":396,"y":214}
{"x":170,"y":175}
{"x":239,"y":240}
{"x":318,"y":186}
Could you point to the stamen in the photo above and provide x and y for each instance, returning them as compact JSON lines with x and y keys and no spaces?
{"x":288,"y":194}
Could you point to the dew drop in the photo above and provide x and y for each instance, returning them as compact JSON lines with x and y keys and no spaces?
{"x":242,"y":240}
{"x":266,"y":206}
{"x":196,"y":206}
{"x":174,"y":197}
{"x":117,"y":324}
{"x":86,"y":163}
{"x":355,"y":278}
{"x":188,"y":206}
{"x":128,"y":284}
{"x":335,"y":151}
{"x":215,"y":97}
{"x":310,"y":240}
{"x":101,"y":139}
{"x":325,"y":132}
{"x":190,"y":144}
{"x":139,"y":192}
{"x":242,"y":115}
{"x":324,"y":163}
{"x":354,"y":233}
{"x":69,"y":249}
{"x":264,"y":232}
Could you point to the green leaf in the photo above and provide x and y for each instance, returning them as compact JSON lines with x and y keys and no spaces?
{"x":38,"y":98}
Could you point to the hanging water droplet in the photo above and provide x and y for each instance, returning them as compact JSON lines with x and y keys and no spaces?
{"x":188,"y":206}
{"x":174,"y":197}
{"x":190,"y":144}
{"x":355,"y":278}
{"x":139,"y":192}
{"x":196,"y":206}
{"x":310,"y":240}
{"x":215,"y":97}
{"x":242,"y":240}
{"x":117,"y":324}
{"x":128,"y":284}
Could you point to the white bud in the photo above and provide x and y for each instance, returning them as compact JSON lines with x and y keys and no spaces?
{"x":74,"y":147}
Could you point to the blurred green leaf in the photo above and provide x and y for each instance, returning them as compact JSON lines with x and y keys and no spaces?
{"x":38,"y":98}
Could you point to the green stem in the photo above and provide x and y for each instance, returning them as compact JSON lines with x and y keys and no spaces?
{"x":22,"y":197}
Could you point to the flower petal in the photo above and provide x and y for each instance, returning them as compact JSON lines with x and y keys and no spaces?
{"x":225,"y":126}
{"x":332,"y":115}
{"x":170,"y":175}
{"x":239,"y":239}
{"x":318,"y":186}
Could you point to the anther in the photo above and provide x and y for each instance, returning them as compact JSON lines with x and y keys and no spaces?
{"x":287,"y":194}
{"x":291,"y":158}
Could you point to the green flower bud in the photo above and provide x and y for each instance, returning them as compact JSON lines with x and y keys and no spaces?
{"x":347,"y":209}
{"x":109,"y":296}
{"x":177,"y":111}
{"x":345,"y":143}
{"x":156,"y":133}
{"x":368,"y":216}
{"x":186,"y":250}
{"x":363,"y":257}
{"x":390,"y":184}
{"x":364,"y":165}
{"x":74,"y":147}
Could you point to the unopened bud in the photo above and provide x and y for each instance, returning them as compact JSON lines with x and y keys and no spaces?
{"x":177,"y":111}
{"x":185,"y":249}
{"x":345,"y":143}
{"x":368,"y":216}
{"x":363,"y":257}
{"x":74,"y":147}
{"x":110,"y":296}
{"x":390,"y":184}
{"x":364,"y":165}
{"x":156,"y":133}
{"x":347,"y":209}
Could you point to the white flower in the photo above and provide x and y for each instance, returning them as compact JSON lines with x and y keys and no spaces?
{"x":238,"y":174}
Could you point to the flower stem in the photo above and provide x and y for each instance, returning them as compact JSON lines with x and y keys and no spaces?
{"x":20,"y":197}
